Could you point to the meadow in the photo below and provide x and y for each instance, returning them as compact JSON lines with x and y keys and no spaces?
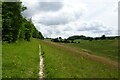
{"x":0,"y":59}
{"x":20,"y":60}
{"x":64,"y":63}
{"x":62,"y":58}
{"x":106,"y":48}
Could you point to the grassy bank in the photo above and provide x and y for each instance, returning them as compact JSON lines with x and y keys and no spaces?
{"x":0,"y":59}
{"x":20,"y":60}
{"x":62,"y":63}
{"x":106,"y":48}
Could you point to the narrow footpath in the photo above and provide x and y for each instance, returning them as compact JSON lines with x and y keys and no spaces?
{"x":41,"y":65}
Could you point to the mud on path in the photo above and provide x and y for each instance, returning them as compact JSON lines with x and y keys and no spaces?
{"x":100,"y":59}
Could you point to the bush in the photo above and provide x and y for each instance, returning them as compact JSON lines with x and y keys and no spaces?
{"x":79,"y":42}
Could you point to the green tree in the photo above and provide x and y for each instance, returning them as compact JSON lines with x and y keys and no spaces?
{"x":103,"y":37}
{"x":28,"y":29}
{"x":15,"y":26}
{"x":11,"y":16}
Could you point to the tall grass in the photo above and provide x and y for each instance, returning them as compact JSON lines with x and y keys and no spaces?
{"x":21,"y":59}
{"x":61,"y":63}
{"x":106,"y":48}
{"x":0,"y":59}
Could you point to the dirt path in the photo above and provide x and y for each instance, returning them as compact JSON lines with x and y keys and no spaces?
{"x":41,"y":65}
{"x":100,"y":59}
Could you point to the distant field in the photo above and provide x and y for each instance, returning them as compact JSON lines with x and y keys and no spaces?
{"x":106,"y":48}
{"x":62,"y":63}
{"x":20,"y":60}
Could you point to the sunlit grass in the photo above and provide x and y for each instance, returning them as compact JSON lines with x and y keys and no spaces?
{"x":62,"y":63}
{"x":0,"y":59}
{"x":106,"y":48}
{"x":21,"y":59}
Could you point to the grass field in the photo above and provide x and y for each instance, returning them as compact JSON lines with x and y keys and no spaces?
{"x":106,"y":48}
{"x":62,"y":63}
{"x":20,"y":60}
{"x":0,"y":59}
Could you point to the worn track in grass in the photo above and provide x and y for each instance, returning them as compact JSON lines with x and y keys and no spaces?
{"x":100,"y":59}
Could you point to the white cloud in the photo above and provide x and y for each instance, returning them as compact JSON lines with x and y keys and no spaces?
{"x":90,"y":18}
{"x":67,"y":12}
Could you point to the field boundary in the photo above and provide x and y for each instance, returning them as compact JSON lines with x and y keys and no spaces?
{"x":41,"y":65}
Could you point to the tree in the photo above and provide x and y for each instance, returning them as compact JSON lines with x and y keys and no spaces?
{"x":28,"y":29}
{"x":60,"y":39}
{"x":90,"y":39}
{"x":35,"y":33}
{"x":15,"y":26}
{"x":103,"y":37}
{"x":66,"y":41}
{"x":40,"y":36}
{"x":72,"y":39}
{"x":55,"y":40}
{"x":11,"y":16}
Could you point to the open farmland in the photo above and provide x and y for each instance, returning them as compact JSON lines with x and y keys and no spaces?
{"x":60,"y":61}
{"x":63,"y":62}
{"x":106,"y":48}
{"x":64,"y":39}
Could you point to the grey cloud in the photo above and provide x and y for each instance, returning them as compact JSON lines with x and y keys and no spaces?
{"x":60,"y":18}
{"x":71,"y":29}
{"x":94,"y":28}
{"x":53,"y":31}
{"x":49,"y":31}
{"x":54,"y":21}
{"x":67,"y":29}
{"x":50,"y":6}
{"x":58,"y":13}
{"x":101,"y":31}
{"x":41,"y":6}
{"x":30,"y":12}
{"x":89,"y":27}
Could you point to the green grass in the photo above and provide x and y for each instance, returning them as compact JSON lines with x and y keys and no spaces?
{"x":21,"y":59}
{"x":62,"y":63}
{"x":106,"y":48}
{"x":0,"y":59}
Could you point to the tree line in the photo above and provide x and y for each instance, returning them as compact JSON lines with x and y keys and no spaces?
{"x":15,"y":26}
{"x":82,"y":37}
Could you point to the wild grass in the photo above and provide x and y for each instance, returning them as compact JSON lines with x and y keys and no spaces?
{"x":106,"y":48}
{"x":62,"y":63}
{"x":21,"y":59}
{"x":0,"y":59}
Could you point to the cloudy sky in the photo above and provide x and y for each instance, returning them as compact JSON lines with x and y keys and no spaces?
{"x":64,"y":18}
